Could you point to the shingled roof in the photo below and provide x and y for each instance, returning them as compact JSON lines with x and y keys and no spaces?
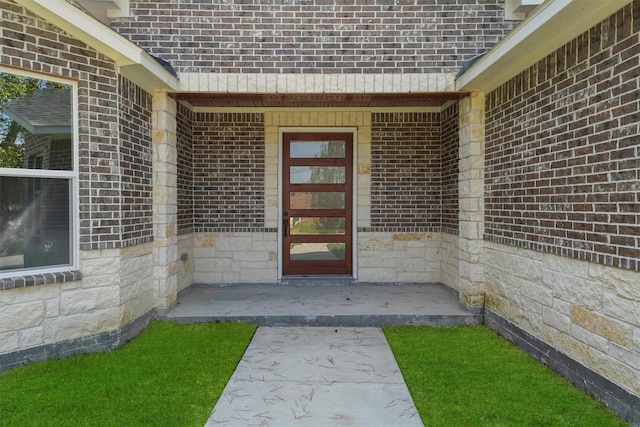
{"x":47,"y":111}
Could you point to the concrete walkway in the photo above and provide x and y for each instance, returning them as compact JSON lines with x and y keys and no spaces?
{"x":316,"y":376}
{"x":341,"y":371}
{"x":324,"y":303}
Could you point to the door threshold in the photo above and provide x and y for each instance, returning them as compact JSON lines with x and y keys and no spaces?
{"x":324,"y":279}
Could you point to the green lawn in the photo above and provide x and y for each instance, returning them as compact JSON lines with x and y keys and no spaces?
{"x":170,"y":375}
{"x":468,"y":376}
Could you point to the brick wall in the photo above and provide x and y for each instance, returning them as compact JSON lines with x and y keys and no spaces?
{"x":450,"y":155}
{"x":30,"y":43}
{"x":562,"y":153}
{"x":406,"y":180}
{"x":299,"y":36}
{"x":135,"y":164}
{"x":184,"y":146}
{"x":228,"y":172}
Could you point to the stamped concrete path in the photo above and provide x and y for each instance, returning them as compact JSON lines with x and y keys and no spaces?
{"x":316,"y":376}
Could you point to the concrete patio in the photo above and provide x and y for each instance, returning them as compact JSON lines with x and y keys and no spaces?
{"x":322,"y":302}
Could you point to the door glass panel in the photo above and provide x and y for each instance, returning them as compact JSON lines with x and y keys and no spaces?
{"x":317,"y":174}
{"x":316,"y":200}
{"x":315,"y":226}
{"x":317,"y":149}
{"x":317,"y":251}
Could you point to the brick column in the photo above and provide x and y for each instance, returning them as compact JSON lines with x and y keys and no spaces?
{"x":471,"y":194}
{"x":165,"y":201}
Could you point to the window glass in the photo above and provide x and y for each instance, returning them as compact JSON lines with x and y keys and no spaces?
{"x":317,"y":175}
{"x":316,"y":226}
{"x":35,"y":120}
{"x":34,"y":219}
{"x":317,"y":200}
{"x":317,"y":251}
{"x":317,"y":149}
{"x":36,"y":173}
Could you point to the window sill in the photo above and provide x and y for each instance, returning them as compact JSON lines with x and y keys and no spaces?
{"x":39,"y":279}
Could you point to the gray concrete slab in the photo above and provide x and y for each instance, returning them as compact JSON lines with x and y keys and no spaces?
{"x":316,"y":304}
{"x":321,"y":376}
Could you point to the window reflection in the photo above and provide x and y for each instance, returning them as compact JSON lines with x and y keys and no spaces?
{"x":317,"y":200}
{"x":317,"y":226}
{"x":317,"y":149}
{"x":317,"y":175}
{"x":34,"y":222}
{"x":36,"y":137}
{"x":317,"y":251}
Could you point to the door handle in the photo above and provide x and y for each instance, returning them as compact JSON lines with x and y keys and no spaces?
{"x":285,"y":226}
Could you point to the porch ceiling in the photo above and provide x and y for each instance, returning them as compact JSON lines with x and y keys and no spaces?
{"x":315,"y":100}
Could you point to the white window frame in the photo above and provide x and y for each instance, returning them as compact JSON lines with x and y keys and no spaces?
{"x":71,"y":175}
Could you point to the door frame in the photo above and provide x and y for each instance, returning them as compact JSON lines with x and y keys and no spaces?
{"x":354,"y":200}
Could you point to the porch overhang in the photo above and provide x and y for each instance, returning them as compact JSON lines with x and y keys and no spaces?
{"x":318,"y":100}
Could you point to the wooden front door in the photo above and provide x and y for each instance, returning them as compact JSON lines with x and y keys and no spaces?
{"x":317,"y":203}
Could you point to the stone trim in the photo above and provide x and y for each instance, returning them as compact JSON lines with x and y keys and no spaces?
{"x":317,"y":83}
{"x":232,"y":230}
{"x":617,"y":399}
{"x":39,"y":279}
{"x":84,"y":345}
{"x":399,"y":229}
{"x":583,"y":255}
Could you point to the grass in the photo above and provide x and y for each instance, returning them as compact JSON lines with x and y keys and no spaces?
{"x":170,"y":375}
{"x":468,"y":376}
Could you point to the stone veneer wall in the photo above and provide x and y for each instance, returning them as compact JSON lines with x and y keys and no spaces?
{"x":450,"y":207}
{"x":299,"y":36}
{"x":111,"y":298}
{"x":563,"y":202}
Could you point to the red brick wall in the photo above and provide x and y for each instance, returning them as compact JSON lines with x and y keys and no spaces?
{"x":449,"y":160}
{"x":28,"y":42}
{"x":406,"y":180}
{"x":184,"y":131}
{"x":300,"y":36}
{"x":136,"y":164}
{"x":562,"y":152}
{"x":228,"y":172}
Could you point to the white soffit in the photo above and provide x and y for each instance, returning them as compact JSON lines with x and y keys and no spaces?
{"x":133,"y":62}
{"x":550,"y":26}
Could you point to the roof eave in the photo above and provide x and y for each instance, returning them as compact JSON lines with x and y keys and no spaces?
{"x":550,"y":26}
{"x":132,"y":61}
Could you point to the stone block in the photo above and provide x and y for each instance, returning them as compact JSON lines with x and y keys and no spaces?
{"x":81,"y":324}
{"x":251,"y":255}
{"x":9,"y":341}
{"x":556,"y":320}
{"x":385,"y":275}
{"x":619,"y":281}
{"x":16,"y":317}
{"x":28,"y":294}
{"x":265,"y":275}
{"x":213,"y":265}
{"x":622,"y":309}
{"x":412,"y":236}
{"x":88,"y":300}
{"x":101,"y":266}
{"x":31,"y":337}
{"x":573,"y":289}
{"x":233,"y":243}
{"x":603,"y":326}
{"x":375,"y":244}
{"x":589,"y":338}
